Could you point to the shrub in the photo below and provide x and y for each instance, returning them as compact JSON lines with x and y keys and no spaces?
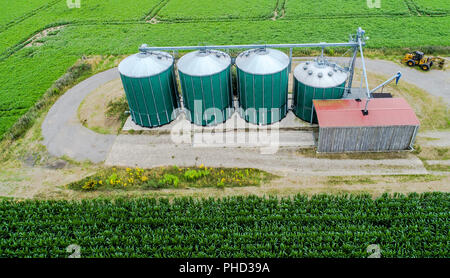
{"x":169,"y":179}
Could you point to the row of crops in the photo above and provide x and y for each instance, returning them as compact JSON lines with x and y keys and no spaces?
{"x":349,"y":8}
{"x":56,"y":12}
{"x":322,"y":226}
{"x":113,"y":10}
{"x":222,"y":9}
{"x":24,"y":18}
{"x":263,"y":9}
{"x":432,"y":6}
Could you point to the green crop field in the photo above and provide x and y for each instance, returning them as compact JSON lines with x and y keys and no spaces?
{"x":220,"y":9}
{"x":323,"y":226}
{"x":432,"y":6}
{"x":14,"y":11}
{"x":101,"y":27}
{"x":349,"y":8}
{"x":90,"y":11}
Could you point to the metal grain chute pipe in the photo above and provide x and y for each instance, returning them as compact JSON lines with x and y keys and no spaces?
{"x":295,"y":45}
{"x":395,"y":76}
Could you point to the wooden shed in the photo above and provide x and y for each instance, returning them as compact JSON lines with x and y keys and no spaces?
{"x":390,"y":125}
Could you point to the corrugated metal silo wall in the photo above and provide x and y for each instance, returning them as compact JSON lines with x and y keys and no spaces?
{"x":304,"y":95}
{"x":366,"y":139}
{"x":152,"y":100}
{"x":214,"y":91}
{"x":263,"y":91}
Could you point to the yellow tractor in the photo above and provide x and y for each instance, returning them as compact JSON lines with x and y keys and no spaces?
{"x":425,"y":63}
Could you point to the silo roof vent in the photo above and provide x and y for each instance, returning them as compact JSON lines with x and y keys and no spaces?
{"x":320,"y":74}
{"x":262,"y":61}
{"x":145,"y":64}
{"x":204,"y":62}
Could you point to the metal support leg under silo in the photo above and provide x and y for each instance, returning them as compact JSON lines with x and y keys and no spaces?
{"x":290,"y":59}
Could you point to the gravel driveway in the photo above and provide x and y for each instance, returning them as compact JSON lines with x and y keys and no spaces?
{"x":435,"y":82}
{"x":62,"y":131}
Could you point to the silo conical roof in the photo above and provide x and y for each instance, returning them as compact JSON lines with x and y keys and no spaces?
{"x":320,"y":74}
{"x":145,"y":64}
{"x":204,"y":62}
{"x":262,"y":61}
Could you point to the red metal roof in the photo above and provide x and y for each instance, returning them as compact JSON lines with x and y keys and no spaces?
{"x":348,"y":112}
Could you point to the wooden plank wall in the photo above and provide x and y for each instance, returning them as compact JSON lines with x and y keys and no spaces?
{"x":366,"y":139}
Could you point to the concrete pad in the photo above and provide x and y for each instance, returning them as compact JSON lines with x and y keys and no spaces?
{"x":439,"y":162}
{"x":235,"y":122}
{"x":440,"y":139}
{"x":153,"y":151}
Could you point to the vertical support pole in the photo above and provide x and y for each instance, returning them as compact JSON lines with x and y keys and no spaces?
{"x":290,"y":60}
{"x":360,"y":37}
{"x":352,"y":70}
{"x":289,"y":72}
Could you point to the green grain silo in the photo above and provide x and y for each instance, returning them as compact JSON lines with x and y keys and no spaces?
{"x":317,"y":79}
{"x":263,"y":76}
{"x":150,"y":87}
{"x":205,"y":78}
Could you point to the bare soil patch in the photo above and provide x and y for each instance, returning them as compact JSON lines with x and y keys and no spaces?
{"x":153,"y":20}
{"x":92,"y":111}
{"x":35,"y":40}
{"x":40,"y":182}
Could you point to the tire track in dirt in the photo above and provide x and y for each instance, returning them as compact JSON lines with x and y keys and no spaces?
{"x":151,"y":16}
{"x":280,"y":10}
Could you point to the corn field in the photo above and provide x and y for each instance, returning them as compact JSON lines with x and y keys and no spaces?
{"x":319,"y":226}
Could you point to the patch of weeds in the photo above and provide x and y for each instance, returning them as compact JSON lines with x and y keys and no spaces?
{"x":442,"y":152}
{"x":437,"y":167}
{"x":169,"y":180}
{"x":193,"y":174}
{"x":433,"y":153}
{"x":311,"y":152}
{"x":417,"y":178}
{"x":171,"y":177}
{"x":349,"y":180}
{"x":417,"y":149}
{"x":116,"y":109}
